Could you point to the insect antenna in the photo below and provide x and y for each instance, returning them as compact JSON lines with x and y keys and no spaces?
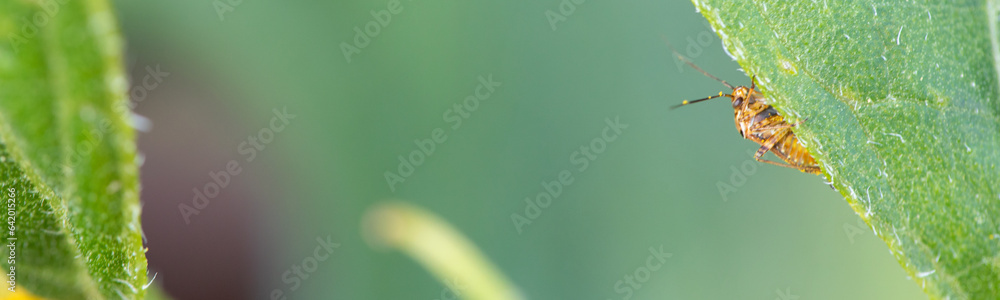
{"x":700,"y":100}
{"x":693,"y":66}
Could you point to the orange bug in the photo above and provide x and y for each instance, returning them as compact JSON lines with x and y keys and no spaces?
{"x":759,"y":122}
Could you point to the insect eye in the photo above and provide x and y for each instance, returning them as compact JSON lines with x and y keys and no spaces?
{"x":737,"y":102}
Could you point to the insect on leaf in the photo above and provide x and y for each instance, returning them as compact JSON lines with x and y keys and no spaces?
{"x":903,"y":116}
{"x":67,"y":155}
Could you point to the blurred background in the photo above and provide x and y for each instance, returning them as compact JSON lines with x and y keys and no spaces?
{"x":561,"y":72}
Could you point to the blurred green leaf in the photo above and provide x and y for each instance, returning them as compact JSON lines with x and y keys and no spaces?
{"x":902,"y":108}
{"x":67,"y":152}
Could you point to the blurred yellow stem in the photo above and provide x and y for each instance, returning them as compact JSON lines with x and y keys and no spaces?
{"x":439,"y":248}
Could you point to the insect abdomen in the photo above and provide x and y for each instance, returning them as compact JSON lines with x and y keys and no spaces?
{"x":791,"y":151}
{"x":784,"y":144}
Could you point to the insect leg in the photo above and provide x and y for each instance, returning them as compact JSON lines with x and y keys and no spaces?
{"x":762,"y":150}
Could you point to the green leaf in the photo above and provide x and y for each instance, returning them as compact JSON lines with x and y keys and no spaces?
{"x":902,"y":108}
{"x":68,"y":152}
